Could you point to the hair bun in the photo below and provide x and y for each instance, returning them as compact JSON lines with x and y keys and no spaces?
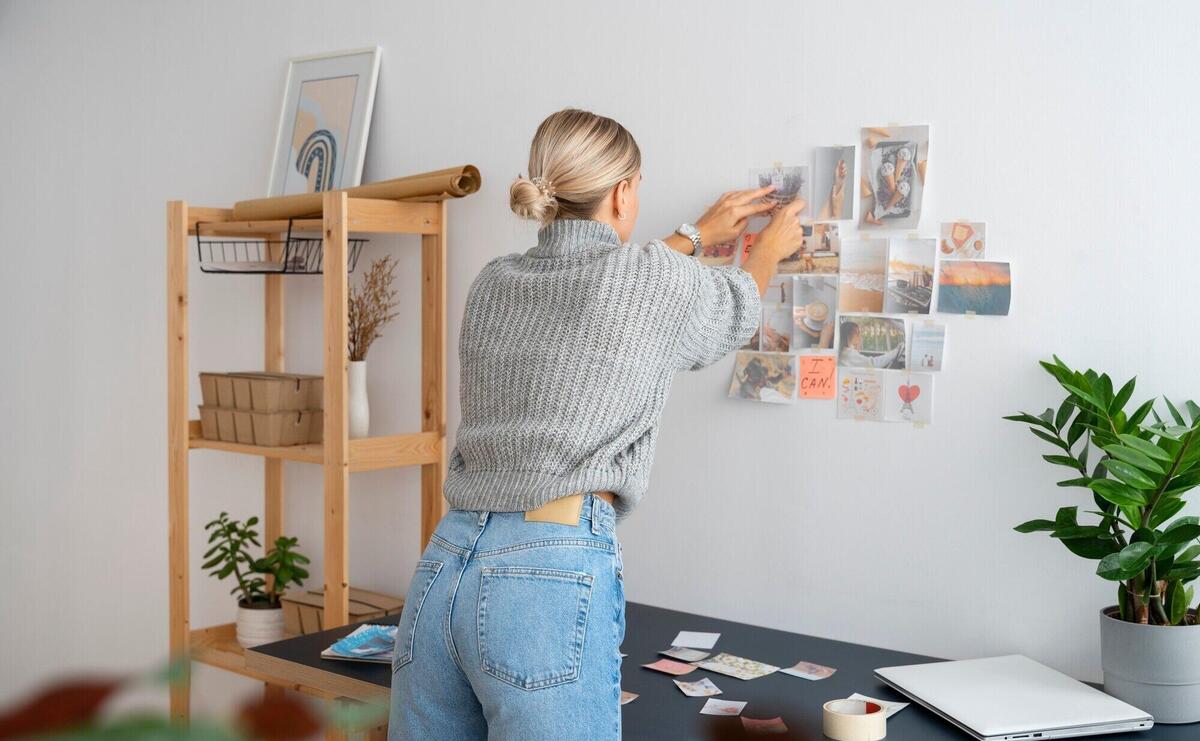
{"x":533,"y":199}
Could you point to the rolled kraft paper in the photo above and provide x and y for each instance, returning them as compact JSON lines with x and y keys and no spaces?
{"x":854,"y":720}
{"x":454,"y":182}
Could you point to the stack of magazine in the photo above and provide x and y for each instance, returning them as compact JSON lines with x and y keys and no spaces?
{"x":371,"y":643}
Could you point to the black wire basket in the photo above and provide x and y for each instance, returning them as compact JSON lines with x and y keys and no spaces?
{"x":293,"y":255}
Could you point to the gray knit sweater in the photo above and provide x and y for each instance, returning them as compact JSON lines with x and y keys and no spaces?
{"x":567,"y":354}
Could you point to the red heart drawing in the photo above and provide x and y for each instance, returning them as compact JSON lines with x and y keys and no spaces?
{"x":908,"y":394}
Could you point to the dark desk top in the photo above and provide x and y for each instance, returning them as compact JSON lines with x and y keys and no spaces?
{"x":663,"y":712}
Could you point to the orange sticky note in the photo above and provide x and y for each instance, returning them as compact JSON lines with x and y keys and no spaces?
{"x":817,"y":376}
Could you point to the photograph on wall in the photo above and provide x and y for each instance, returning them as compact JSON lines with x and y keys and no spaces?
{"x":974,"y":287}
{"x":963,"y":240}
{"x":908,"y":397}
{"x":893,"y":181}
{"x":814,"y":312}
{"x":910,"y":276}
{"x":776,"y":329}
{"x":789,"y":183}
{"x":927,"y":346}
{"x":859,"y":395}
{"x":871,"y":342}
{"x":321,"y":138}
{"x":863,"y":275}
{"x":818,"y":253}
{"x":764,"y":376}
{"x":722,"y":253}
{"x":833,"y":168}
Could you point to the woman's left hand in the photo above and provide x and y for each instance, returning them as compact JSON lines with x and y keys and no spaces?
{"x":726,"y":219}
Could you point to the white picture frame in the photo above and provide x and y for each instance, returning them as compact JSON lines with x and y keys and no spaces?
{"x":321,"y":139}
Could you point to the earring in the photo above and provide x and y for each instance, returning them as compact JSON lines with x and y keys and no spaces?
{"x":620,"y":216}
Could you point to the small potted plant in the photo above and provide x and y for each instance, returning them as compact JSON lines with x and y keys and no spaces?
{"x":260,"y":581}
{"x":369,"y":307}
{"x":1141,"y":467}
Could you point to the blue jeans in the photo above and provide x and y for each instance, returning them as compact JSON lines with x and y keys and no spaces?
{"x":511,"y":630}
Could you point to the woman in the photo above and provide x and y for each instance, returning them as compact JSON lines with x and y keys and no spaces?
{"x":516,"y":611}
{"x":851,"y":356}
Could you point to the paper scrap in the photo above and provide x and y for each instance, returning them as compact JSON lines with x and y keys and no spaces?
{"x":684,"y":654}
{"x":666,"y":666}
{"x":628,"y":697}
{"x":818,"y":376}
{"x":702,"y":688}
{"x":693,"y":639}
{"x":889,"y":708}
{"x":764,"y":725}
{"x":736,"y":666}
{"x":808,"y":670}
{"x":722,"y":707}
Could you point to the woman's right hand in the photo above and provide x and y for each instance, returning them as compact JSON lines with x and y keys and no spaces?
{"x":784,"y":235}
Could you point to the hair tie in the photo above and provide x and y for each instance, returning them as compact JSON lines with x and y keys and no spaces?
{"x":543,"y":185}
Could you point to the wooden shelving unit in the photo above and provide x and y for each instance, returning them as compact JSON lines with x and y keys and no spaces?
{"x":339,"y":456}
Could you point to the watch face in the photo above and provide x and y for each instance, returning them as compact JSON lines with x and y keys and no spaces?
{"x":688,"y":230}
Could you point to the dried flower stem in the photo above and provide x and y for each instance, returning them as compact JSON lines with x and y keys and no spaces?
{"x":371,"y":306}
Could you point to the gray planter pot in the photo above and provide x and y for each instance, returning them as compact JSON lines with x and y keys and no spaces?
{"x":1152,"y":667}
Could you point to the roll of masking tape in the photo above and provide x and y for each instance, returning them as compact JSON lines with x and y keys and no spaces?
{"x":854,"y":720}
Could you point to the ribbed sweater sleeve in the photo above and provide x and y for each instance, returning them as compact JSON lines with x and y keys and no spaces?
{"x":721,"y":316}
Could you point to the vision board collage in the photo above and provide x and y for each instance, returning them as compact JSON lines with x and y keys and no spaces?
{"x":849,"y":317}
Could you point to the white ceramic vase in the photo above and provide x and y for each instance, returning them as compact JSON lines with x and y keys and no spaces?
{"x":360,"y":410}
{"x":259,"y":625}
{"x":1155,"y":668}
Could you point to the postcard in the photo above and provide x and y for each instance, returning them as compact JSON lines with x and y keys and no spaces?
{"x":860,"y":395}
{"x":863,"y":275}
{"x":684,"y":654}
{"x":818,"y":254}
{"x":789,"y":183}
{"x":628,"y":697}
{"x":814,"y":307}
{"x":695,"y":639}
{"x":808,"y":670}
{"x":736,"y":666}
{"x":666,"y":666}
{"x":927,"y":347}
{"x":764,"y":376}
{"x":910,"y":276}
{"x":722,"y":253}
{"x":701,"y":688}
{"x":866,"y":341}
{"x":722,"y":707}
{"x":764,"y":725}
{"x":889,"y":708}
{"x":775,"y":332}
{"x":963,"y":240}
{"x":974,"y":287}
{"x":893,"y":181}
{"x":909,"y":397}
{"x":817,"y":376}
{"x":833,"y":183}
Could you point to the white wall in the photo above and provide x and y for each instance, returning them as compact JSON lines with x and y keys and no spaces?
{"x":1067,"y":126}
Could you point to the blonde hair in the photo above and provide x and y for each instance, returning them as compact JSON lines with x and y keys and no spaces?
{"x":574,"y":161}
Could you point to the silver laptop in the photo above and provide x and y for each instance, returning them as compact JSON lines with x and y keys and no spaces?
{"x":1013,"y":697}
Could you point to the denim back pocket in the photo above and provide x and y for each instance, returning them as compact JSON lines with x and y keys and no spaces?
{"x":406,"y":631}
{"x":532,"y":624}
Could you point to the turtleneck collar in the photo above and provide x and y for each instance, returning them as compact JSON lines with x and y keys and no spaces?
{"x":575,"y":237}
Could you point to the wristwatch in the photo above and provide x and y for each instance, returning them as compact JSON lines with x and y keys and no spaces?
{"x":691,"y":232}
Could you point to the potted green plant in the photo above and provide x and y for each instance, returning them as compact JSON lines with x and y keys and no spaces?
{"x":1137,"y":469}
{"x":260,"y":581}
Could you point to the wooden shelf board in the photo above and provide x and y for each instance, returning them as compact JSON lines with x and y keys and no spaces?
{"x":366,"y":454}
{"x":367,"y":215}
{"x":217,"y":646}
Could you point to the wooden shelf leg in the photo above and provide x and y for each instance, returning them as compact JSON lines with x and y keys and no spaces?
{"x":177,"y":451}
{"x":337,"y":442}
{"x":433,"y":372}
{"x":273,"y":361}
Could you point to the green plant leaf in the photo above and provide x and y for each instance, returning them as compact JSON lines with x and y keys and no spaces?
{"x":1110,"y":568}
{"x":1122,"y":599}
{"x":1079,"y":531}
{"x":1177,"y":602}
{"x":1129,"y":474}
{"x":1090,"y":548}
{"x":1181,"y":531}
{"x":1174,"y":413}
{"x":1029,"y":419}
{"x":1065,"y":410}
{"x":1139,"y":414}
{"x":1104,"y":389}
{"x":1087,"y":396}
{"x":1145,"y":447}
{"x":1066,"y":516}
{"x":1133,"y":513}
{"x":1165,"y":510}
{"x":1054,"y":440}
{"x":1122,"y":397}
{"x":1075,"y":482}
{"x":1135,"y":557}
{"x":1118,"y":493}
{"x":1193,"y":410}
{"x":1033,"y":526}
{"x":1185,"y":571}
{"x":1134,"y":457}
{"x":1184,"y":482}
{"x":1061,"y":460}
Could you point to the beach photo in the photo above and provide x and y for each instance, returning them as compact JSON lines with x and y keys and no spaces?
{"x":789,"y":183}
{"x":834,"y":176}
{"x":764,"y":376}
{"x":863,"y":274}
{"x":859,"y":395}
{"x":893,"y":182}
{"x":974,"y":287}
{"x":871,"y":342}
{"x":927,"y":347}
{"x":910,"y":276}
{"x":814,"y":308}
{"x":963,"y":240}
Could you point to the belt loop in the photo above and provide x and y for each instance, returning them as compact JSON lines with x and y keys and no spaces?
{"x":483,"y":518}
{"x":596,"y":514}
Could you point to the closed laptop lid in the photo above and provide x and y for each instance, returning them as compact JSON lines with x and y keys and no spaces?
{"x":1007,"y":694}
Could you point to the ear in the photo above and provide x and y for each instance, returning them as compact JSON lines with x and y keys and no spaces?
{"x":621,"y":196}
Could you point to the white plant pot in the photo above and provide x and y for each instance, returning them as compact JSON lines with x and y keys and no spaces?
{"x":259,"y":625}
{"x":1155,"y":668}
{"x":360,"y":411}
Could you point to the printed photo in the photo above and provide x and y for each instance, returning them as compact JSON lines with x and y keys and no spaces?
{"x":833,"y":168}
{"x":963,"y":240}
{"x":863,"y":274}
{"x":860,"y":395}
{"x":814,"y":312}
{"x":818,"y":253}
{"x":893,"y":181}
{"x":723,"y":253}
{"x":927,"y":346}
{"x":789,"y":182}
{"x":910,"y":276}
{"x":974,"y":287}
{"x":775,"y":332}
{"x":871,"y":342}
{"x":764,"y":376}
{"x":909,"y":397}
